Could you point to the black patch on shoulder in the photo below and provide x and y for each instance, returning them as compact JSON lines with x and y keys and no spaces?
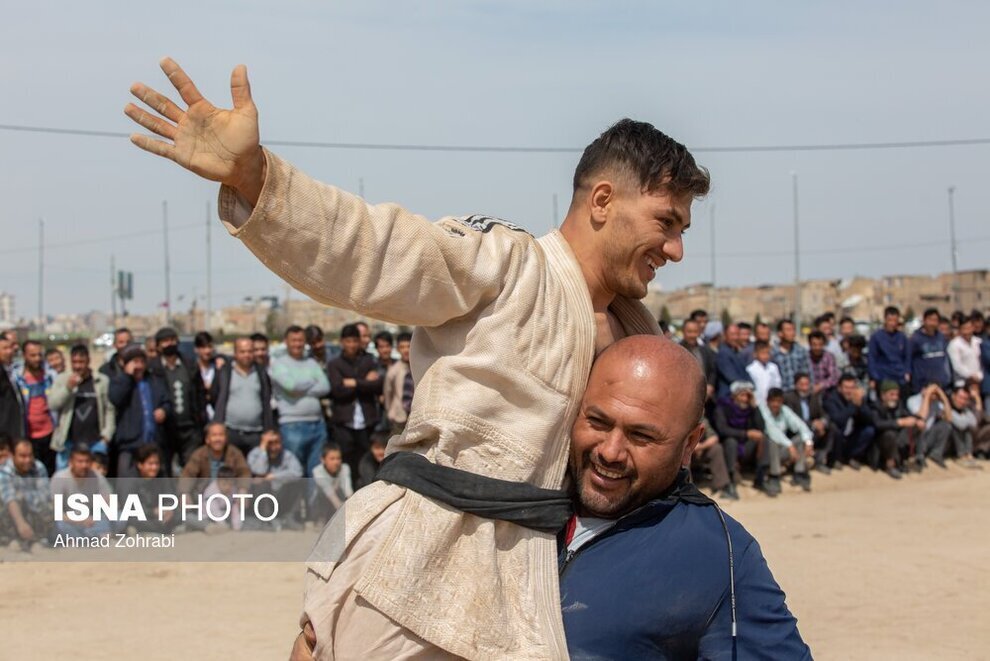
{"x":485,"y":224}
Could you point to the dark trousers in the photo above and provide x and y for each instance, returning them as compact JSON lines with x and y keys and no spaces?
{"x":855,"y":445}
{"x":181,"y":443}
{"x":43,"y":452}
{"x":245,"y":441}
{"x":354,"y":443}
{"x":888,"y":447}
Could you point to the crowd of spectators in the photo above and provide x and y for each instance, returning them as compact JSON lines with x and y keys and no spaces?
{"x":891,"y":402}
{"x":164,"y":421}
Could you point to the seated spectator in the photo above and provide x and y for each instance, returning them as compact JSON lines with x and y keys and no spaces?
{"x":25,"y":501}
{"x":80,"y":478}
{"x":895,"y":427}
{"x":764,"y":374}
{"x":824,"y":373}
{"x":856,"y":364}
{"x":279,"y":473}
{"x":741,"y":429}
{"x":710,"y":455}
{"x":205,"y":462}
{"x":730,"y":362}
{"x":5,"y":448}
{"x":141,"y":405}
{"x":148,"y":486}
{"x":333,"y":484}
{"x":101,"y":463}
{"x":934,"y":412}
{"x":965,"y":417}
{"x":81,"y":398}
{"x":852,"y":422}
{"x":964,"y":352}
{"x":372,"y":459}
{"x":242,"y":398}
{"x":219,"y":518}
{"x":785,"y":429}
{"x":808,"y":406}
{"x":929,"y":357}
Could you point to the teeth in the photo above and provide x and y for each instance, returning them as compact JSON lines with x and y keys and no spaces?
{"x":612,"y":475}
{"x":651,"y":264}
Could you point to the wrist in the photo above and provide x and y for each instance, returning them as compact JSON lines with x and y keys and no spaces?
{"x":252,"y":180}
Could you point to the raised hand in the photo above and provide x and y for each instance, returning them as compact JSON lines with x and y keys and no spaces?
{"x":217,"y":144}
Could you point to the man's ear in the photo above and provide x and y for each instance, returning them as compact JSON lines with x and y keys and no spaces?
{"x":694,"y":437}
{"x":602,"y":197}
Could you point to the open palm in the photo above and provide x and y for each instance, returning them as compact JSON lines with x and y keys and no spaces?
{"x":217,"y":144}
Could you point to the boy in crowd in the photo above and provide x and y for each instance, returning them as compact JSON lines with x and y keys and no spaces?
{"x":764,"y":374}
{"x":333,"y":484}
{"x":787,"y":430}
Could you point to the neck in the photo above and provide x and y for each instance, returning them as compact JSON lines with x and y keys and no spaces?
{"x":216,"y":454}
{"x":589,"y":262}
{"x":243,"y":369}
{"x":785,"y":344}
{"x":171,"y":360}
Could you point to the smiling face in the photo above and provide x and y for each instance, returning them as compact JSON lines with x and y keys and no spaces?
{"x":637,"y":426}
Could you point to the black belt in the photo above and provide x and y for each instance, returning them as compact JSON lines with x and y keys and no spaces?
{"x":546,"y":510}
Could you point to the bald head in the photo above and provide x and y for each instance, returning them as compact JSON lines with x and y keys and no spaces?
{"x":658,"y":366}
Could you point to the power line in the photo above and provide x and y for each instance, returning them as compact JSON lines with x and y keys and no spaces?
{"x":106,"y":239}
{"x":372,"y":146}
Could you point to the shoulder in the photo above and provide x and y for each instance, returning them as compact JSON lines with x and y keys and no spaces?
{"x":484,"y":225}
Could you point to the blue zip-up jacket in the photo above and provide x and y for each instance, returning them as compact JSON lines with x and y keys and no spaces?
{"x":929,"y":361}
{"x":656,"y":586}
{"x":889,"y":357}
{"x":985,"y":362}
{"x":731,"y":367}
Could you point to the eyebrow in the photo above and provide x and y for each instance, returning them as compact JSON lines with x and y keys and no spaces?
{"x":676,"y":215}
{"x":598,"y":413}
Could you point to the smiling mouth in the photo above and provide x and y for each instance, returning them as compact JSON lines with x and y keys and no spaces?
{"x":607,"y":476}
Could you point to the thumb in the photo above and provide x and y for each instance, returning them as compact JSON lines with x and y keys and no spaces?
{"x":240,"y":88}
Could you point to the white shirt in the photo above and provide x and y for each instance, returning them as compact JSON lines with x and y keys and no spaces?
{"x":965,"y":357}
{"x":765,"y":376}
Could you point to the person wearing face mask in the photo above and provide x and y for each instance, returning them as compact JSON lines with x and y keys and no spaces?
{"x":187,"y":395}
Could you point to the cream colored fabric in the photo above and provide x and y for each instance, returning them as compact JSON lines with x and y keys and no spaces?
{"x":503,"y":348}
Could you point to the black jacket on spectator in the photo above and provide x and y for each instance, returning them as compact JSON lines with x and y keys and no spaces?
{"x":726,"y":430}
{"x":885,"y":419}
{"x":198,"y":404}
{"x":220,"y":393}
{"x":126,"y":400}
{"x":11,"y":407}
{"x":709,"y":360}
{"x":840,"y":411}
{"x":792,"y":400}
{"x":111,"y":368}
{"x":343,"y":398}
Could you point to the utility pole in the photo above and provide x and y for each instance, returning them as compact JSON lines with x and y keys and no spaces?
{"x":113,"y":290}
{"x":952,"y":242}
{"x":209,"y":272}
{"x":168,"y":282}
{"x":41,"y":273}
{"x":713,"y":295}
{"x":556,"y":224}
{"x":797,"y":260}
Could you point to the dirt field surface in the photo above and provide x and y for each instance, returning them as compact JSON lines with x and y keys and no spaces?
{"x":873,"y":569}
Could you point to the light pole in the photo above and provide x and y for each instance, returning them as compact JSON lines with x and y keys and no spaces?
{"x":952,"y":242}
{"x":797,"y":259}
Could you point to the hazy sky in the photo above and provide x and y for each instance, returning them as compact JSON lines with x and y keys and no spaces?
{"x":501,"y":73}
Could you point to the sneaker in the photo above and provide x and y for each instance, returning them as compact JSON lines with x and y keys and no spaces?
{"x":773,"y":485}
{"x":805,"y":481}
{"x":728,"y":494}
{"x":855,"y":465}
{"x":894,"y":473}
{"x":823,"y":469}
{"x":938,"y":462}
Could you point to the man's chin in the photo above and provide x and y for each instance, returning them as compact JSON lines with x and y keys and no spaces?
{"x":596,"y":504}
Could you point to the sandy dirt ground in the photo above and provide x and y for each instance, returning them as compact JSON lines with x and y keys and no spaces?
{"x":873,"y":569}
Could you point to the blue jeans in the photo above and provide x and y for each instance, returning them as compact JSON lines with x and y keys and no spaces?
{"x":306,"y":441}
{"x":62,"y":458}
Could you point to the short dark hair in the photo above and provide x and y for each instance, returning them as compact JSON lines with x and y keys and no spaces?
{"x":697,"y":314}
{"x":976,"y":315}
{"x":782,"y":323}
{"x":166,"y":333}
{"x":403,"y":337}
{"x":79,"y":350}
{"x":17,"y":441}
{"x":313,"y":333}
{"x":847,"y":320}
{"x":80,"y":448}
{"x":957,"y":316}
{"x":121,"y":330}
{"x":891,"y":309}
{"x":744,"y":325}
{"x":328,"y":448}
{"x":28,"y":343}
{"x":801,"y":375}
{"x":664,"y":326}
{"x":965,"y":320}
{"x":845,"y":378}
{"x":775,"y":393}
{"x":50,"y":350}
{"x":759,"y":345}
{"x":259,"y":337}
{"x":293,"y":329}
{"x":145,"y":452}
{"x":857,"y":341}
{"x":380,"y":437}
{"x":816,"y":335}
{"x":929,"y":312}
{"x":225,"y":472}
{"x":350,"y":330}
{"x":202,"y":339}
{"x":384,"y":335}
{"x":5,"y":443}
{"x":654,"y":160}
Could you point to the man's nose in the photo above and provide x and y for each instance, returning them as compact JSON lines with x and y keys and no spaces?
{"x":612,"y":449}
{"x":673,"y":249}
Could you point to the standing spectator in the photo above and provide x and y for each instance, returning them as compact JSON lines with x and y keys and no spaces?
{"x":825,"y":324}
{"x":788,"y":431}
{"x":964,"y":351}
{"x":299,"y":383}
{"x":710,"y":454}
{"x":5,"y":448}
{"x":856,"y":363}
{"x":713,"y":335}
{"x":807,"y":404}
{"x":35,"y":381}
{"x":852,"y":422}
{"x":965,"y":419}
{"x":847,"y":328}
{"x":364,"y":335}
{"x":741,"y":429}
{"x":187,"y":395}
{"x":700,"y":317}
{"x":894,"y":425}
{"x":399,"y":387}
{"x":80,"y":478}
{"x":242,"y":396}
{"x":55,"y":359}
{"x":824,"y":373}
{"x":764,"y":374}
{"x":372,"y":459}
{"x":729,"y":361}
{"x":208,"y":362}
{"x":761,"y":333}
{"x":280,"y":473}
{"x":317,"y":344}
{"x":945,"y":328}
{"x":354,"y":390}
{"x":384,"y":343}
{"x":204,"y":464}
{"x":259,"y":345}
{"x":705,"y":356}
{"x":934,"y":413}
{"x":142,"y":407}
{"x":889,"y":355}
{"x":81,"y":398}
{"x":789,"y":356}
{"x":122,"y":339}
{"x":150,"y":348}
{"x":333,"y":484}
{"x":12,"y":413}
{"x":985,"y":368}
{"x":25,"y":501}
{"x":929,"y":357}
{"x":745,"y":342}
